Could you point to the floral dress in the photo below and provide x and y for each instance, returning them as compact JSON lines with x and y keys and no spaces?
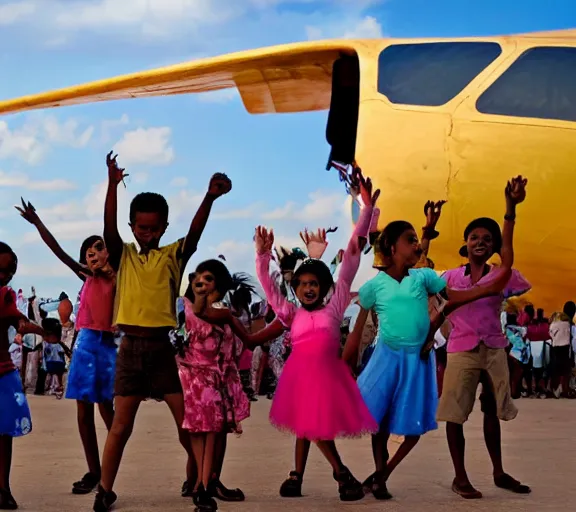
{"x":213,"y":396}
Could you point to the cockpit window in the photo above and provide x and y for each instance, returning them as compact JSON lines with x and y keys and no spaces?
{"x":540,"y":84}
{"x":431,"y":74}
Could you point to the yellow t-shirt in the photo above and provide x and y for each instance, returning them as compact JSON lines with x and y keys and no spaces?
{"x":147,"y":286}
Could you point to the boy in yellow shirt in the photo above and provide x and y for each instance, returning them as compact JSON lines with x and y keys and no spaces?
{"x":148,"y":283}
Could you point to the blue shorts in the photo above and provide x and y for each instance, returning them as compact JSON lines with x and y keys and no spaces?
{"x":93,"y":367}
{"x":15,"y":420}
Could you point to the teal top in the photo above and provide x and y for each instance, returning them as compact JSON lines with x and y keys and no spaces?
{"x":402,"y":307}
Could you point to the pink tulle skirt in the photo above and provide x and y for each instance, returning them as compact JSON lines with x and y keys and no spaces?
{"x":318,"y":399}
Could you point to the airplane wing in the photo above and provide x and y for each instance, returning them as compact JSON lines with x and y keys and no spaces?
{"x":279,"y":79}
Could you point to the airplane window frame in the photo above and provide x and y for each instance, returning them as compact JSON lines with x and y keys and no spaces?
{"x":530,"y":107}
{"x":399,"y":95}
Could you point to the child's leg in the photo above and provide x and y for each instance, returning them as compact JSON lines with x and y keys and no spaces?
{"x":122,"y":425}
{"x":107,"y":413}
{"x":380,"y":449}
{"x":404,"y":449}
{"x":5,"y":461}
{"x":349,"y":488}
{"x":198,"y":444}
{"x":175,"y":402}
{"x":87,"y":429}
{"x":292,"y":487}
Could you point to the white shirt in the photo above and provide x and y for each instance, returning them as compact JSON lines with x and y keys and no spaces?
{"x":439,"y":339}
{"x":560,"y":333}
{"x":16,"y":354}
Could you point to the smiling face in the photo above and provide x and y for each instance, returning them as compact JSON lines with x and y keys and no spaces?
{"x":148,"y":228}
{"x":308,"y":289}
{"x":97,"y":256}
{"x":407,"y":249}
{"x":480,"y":245}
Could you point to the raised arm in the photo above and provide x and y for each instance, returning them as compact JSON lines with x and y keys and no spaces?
{"x":351,"y":258}
{"x":432,"y":211}
{"x":112,"y":237}
{"x":515,"y":194}
{"x":28,"y":212}
{"x":220,"y":184}
{"x":282,"y":307}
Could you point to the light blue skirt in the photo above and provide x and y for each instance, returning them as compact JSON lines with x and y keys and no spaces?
{"x":93,"y":367}
{"x":401,"y":390}
{"x":15,"y":419}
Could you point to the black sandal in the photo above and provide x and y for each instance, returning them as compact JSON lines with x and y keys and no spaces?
{"x":349,"y":488}
{"x":187,"y":490}
{"x":368,"y":484}
{"x":7,"y":501}
{"x":219,"y":491}
{"x":292,"y":486}
{"x":104,"y":500}
{"x":88,"y":483}
{"x":380,"y":487}
{"x":508,"y":483}
{"x":203,"y":501}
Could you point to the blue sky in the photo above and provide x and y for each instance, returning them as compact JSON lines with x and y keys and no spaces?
{"x":56,"y":158}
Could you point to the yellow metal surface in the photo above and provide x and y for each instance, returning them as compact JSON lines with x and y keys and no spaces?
{"x":412,"y":153}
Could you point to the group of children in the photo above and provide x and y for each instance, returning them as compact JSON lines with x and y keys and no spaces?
{"x":132,"y":288}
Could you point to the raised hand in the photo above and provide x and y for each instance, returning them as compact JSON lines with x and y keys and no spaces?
{"x":516,"y":190}
{"x":220,"y":184}
{"x":433,"y":210}
{"x":115,"y":173}
{"x":365,"y":187}
{"x":315,"y":243}
{"x":264,"y":240}
{"x":28,"y":212}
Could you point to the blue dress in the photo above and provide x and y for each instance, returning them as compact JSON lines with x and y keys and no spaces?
{"x":399,"y":388}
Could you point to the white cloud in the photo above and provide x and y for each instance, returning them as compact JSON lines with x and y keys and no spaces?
{"x":183,"y":205}
{"x":55,"y":270}
{"x":21,"y":180}
{"x":33,"y":140}
{"x":150,"y":146}
{"x":322,"y":206}
{"x":179,"y":182}
{"x":16,"y":11}
{"x":69,"y":230}
{"x":247,"y":212}
{"x":367,"y":27}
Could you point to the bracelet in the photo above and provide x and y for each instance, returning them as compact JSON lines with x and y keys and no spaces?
{"x":510,"y":218}
{"x":430,"y":233}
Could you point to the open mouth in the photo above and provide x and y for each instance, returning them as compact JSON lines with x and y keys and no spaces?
{"x":310,"y":296}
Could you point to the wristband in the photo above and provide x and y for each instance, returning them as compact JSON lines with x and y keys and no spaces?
{"x":430,"y":233}
{"x":510,"y":218}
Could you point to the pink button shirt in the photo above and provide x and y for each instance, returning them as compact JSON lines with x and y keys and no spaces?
{"x":479,"y":321}
{"x":96,"y":304}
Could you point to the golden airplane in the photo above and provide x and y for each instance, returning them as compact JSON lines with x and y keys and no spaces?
{"x":426,"y":118}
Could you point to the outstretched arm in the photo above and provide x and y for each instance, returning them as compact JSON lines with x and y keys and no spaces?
{"x":432,"y":211}
{"x":251,"y":341}
{"x":28,"y":212}
{"x":282,"y":307}
{"x":112,"y":237}
{"x":220,"y":184}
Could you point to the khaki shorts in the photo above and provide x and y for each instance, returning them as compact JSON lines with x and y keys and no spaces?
{"x":464,"y":371}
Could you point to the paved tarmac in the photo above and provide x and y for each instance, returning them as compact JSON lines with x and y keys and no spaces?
{"x":539,"y":448}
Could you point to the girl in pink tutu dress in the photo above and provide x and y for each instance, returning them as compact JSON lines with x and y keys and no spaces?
{"x":317,"y":398}
{"x":214,"y":401}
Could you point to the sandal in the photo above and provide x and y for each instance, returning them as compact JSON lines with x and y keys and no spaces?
{"x":88,"y":483}
{"x":368,"y":484}
{"x":104,"y":500}
{"x":292,"y":486}
{"x":188,"y":490}
{"x":379,"y":486}
{"x":203,"y":501}
{"x":219,"y":491}
{"x":508,"y":483}
{"x":467,"y":492}
{"x":7,"y":501}
{"x":349,"y":488}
